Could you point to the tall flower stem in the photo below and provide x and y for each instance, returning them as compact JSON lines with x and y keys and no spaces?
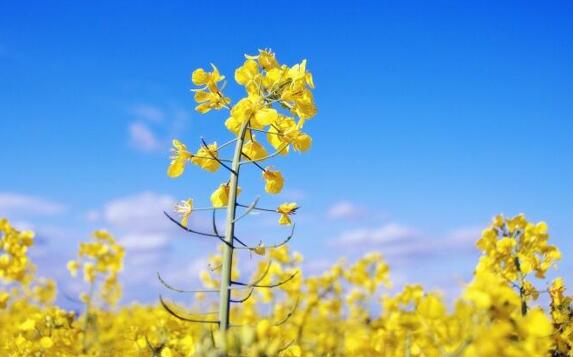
{"x":225,"y":293}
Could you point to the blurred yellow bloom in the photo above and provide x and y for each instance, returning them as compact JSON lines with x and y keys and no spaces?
{"x":259,"y":249}
{"x":46,"y":342}
{"x":4,"y":297}
{"x":89,"y":272}
{"x":73,"y":267}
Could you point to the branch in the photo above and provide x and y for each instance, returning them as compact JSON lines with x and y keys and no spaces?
{"x":266,"y":157}
{"x":266,"y":286}
{"x":290,"y":313}
{"x":286,"y":346}
{"x":170,"y":287}
{"x":214,"y":219}
{"x":211,"y":158}
{"x":268,"y":209}
{"x":265,"y":132}
{"x":240,"y":301}
{"x":253,"y":161}
{"x":196,"y":232}
{"x":176,"y":315}
{"x":277,"y":244}
{"x":227,"y":143}
{"x":251,"y":207}
{"x":216,"y":158}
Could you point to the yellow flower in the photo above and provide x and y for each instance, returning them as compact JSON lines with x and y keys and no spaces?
{"x":266,"y":59}
{"x":274,"y":181}
{"x":89,"y":272}
{"x":205,"y":157}
{"x":264,"y":117}
{"x":166,"y":352}
{"x":286,"y":209}
{"x":200,"y":77}
{"x":209,"y":100}
{"x":27,"y":325}
{"x":210,"y":96}
{"x":243,"y":111}
{"x":248,"y":75}
{"x":46,"y":342}
{"x":284,"y":132}
{"x":253,"y":150}
{"x":184,"y":208}
{"x":73,"y":267}
{"x":179,"y":158}
{"x":259,"y":249}
{"x":4,"y":297}
{"x":220,"y":197}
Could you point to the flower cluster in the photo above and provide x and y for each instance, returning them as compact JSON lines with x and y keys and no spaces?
{"x":278,"y":101}
{"x":14,"y":262}
{"x":102,"y":260}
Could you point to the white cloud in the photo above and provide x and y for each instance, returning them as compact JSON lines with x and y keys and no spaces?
{"x":142,"y":241}
{"x":148,"y":112}
{"x":11,"y":203}
{"x":401,"y":241}
{"x":142,"y":212}
{"x":93,"y":216}
{"x":142,"y":138}
{"x":345,"y":210}
{"x":388,"y":233}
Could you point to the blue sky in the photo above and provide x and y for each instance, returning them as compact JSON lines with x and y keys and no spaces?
{"x":432,"y":119}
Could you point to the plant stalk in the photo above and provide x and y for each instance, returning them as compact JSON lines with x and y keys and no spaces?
{"x":225,"y":293}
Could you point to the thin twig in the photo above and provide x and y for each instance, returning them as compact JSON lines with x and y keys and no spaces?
{"x":240,"y":301}
{"x":170,"y":287}
{"x":277,"y":244}
{"x":176,"y":315}
{"x":254,"y":161}
{"x":196,"y":232}
{"x":266,"y":286}
{"x":215,"y":157}
{"x":266,"y":157}
{"x":265,"y":131}
{"x":227,"y":143}
{"x":248,"y":210}
{"x":289,"y":314}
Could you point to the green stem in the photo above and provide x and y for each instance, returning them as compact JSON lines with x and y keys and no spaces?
{"x":225,"y":293}
{"x":87,"y":320}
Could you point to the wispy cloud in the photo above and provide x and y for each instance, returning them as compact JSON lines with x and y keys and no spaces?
{"x":140,"y":213}
{"x":148,"y":112}
{"x":15,"y":203}
{"x":387,"y":233}
{"x":151,"y":128}
{"x":142,"y":138}
{"x":346,"y":210}
{"x":400,"y":241}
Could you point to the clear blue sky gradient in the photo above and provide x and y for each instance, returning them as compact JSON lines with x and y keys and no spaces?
{"x":436,"y":116}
